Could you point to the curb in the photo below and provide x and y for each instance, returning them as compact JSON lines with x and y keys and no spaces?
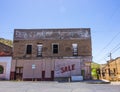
{"x":98,"y":82}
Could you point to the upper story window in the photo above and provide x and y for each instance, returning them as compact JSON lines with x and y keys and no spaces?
{"x":39,"y":50}
{"x":1,"y":69}
{"x":75,"y":49}
{"x":55,"y":48}
{"x":29,"y":49}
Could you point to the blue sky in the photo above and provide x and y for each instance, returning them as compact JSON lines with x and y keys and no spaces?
{"x":102,"y":16}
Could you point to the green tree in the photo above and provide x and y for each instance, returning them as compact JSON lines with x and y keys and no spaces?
{"x":94,"y":68}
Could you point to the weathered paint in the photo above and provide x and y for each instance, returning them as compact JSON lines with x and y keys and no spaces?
{"x":51,"y":34}
{"x":62,"y":64}
{"x":6,"y":63}
{"x":67,"y":67}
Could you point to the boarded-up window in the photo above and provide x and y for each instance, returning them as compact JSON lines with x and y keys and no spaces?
{"x":39,"y":50}
{"x":75,"y":49}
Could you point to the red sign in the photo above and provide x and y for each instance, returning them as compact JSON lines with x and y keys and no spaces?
{"x":68,"y":68}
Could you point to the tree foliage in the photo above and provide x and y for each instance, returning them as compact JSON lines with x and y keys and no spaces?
{"x":94,"y":67}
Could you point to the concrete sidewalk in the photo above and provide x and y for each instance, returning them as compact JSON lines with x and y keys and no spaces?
{"x":21,"y":86}
{"x":115,"y":83}
{"x":90,"y":81}
{"x":97,"y":82}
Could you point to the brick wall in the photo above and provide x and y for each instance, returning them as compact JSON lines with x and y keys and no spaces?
{"x":46,"y":65}
{"x":65,"y":47}
{"x":111,"y":70}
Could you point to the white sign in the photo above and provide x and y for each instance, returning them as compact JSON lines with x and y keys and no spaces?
{"x":76,"y":78}
{"x":33,"y":66}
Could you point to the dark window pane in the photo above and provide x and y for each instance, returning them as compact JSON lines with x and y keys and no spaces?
{"x":29,"y":49}
{"x":55,"y":46}
{"x":55,"y":49}
{"x":1,"y":69}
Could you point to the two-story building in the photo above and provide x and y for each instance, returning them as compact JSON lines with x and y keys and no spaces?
{"x":50,"y":54}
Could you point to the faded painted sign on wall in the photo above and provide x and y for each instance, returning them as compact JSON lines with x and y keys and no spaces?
{"x":67,"y":67}
{"x":33,"y":34}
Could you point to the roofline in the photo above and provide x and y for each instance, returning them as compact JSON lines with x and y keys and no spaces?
{"x":6,"y":45}
{"x":6,"y":56}
{"x":50,"y":28}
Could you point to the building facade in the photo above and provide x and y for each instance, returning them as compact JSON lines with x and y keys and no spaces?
{"x":5,"y":50}
{"x":5,"y":61}
{"x":111,"y":70}
{"x":49,"y":54}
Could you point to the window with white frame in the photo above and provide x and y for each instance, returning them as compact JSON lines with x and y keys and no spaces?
{"x":39,"y":50}
{"x":75,"y":49}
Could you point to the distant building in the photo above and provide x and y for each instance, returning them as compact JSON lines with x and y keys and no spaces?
{"x":111,"y":70}
{"x":51,"y":54}
{"x":5,"y":50}
{"x":5,"y":61}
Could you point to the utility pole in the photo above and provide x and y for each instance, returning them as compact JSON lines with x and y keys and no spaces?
{"x":109,"y":64}
{"x":109,"y":73}
{"x":110,"y":56}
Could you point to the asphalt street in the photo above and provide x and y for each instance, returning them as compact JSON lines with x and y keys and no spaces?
{"x":19,"y":86}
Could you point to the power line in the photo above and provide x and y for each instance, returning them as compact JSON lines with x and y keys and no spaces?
{"x":116,"y":50}
{"x":106,"y":46}
{"x":111,"y":17}
{"x":115,"y":47}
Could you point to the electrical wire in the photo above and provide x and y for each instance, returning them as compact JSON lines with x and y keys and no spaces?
{"x":107,"y":45}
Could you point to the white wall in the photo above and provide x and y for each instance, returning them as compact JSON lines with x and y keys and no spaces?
{"x":7,"y":60}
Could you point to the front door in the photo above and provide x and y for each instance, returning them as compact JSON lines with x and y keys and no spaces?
{"x":19,"y":73}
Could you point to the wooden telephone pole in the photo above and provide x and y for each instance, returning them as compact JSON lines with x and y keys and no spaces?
{"x":110,"y":56}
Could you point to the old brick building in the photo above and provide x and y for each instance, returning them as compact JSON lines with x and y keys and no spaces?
{"x":111,"y":70}
{"x":50,"y":54}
